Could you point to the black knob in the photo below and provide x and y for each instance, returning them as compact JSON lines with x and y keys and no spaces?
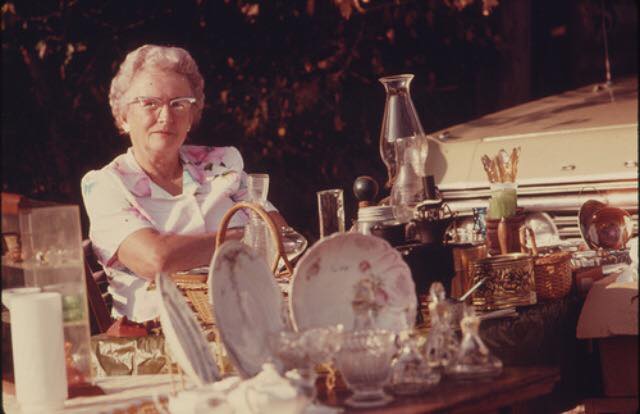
{"x":365,"y":188}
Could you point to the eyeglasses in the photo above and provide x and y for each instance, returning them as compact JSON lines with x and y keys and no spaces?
{"x":152,"y":104}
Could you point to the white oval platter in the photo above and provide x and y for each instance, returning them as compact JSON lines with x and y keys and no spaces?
{"x":183,"y":333}
{"x":247,"y":305}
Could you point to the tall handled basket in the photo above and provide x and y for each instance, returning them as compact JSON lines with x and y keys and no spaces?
{"x":223,"y":362}
{"x":273,"y":229}
{"x":194,"y":287}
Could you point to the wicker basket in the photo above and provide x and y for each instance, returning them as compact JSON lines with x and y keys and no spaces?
{"x":275,"y":234}
{"x":194,"y":286}
{"x":552,"y":271}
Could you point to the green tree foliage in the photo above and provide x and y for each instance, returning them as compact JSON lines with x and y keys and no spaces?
{"x":292,"y":84}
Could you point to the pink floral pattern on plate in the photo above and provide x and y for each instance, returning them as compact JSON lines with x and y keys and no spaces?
{"x":346,"y":273}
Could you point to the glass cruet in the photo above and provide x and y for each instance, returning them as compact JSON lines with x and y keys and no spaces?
{"x":400,"y":119}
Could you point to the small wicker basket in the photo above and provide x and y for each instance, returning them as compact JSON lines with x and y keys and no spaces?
{"x":552,"y":272}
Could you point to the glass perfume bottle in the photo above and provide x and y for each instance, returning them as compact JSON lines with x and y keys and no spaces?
{"x":474,"y":360}
{"x":400,"y":120}
{"x":410,"y":370}
{"x":442,"y":344}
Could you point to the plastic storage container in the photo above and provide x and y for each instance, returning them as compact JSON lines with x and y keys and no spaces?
{"x":53,"y":260}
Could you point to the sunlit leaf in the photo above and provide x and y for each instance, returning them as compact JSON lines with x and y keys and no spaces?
{"x":8,"y":12}
{"x":69,"y":54}
{"x":390,"y":35}
{"x":41,"y":48}
{"x":224,"y":94}
{"x":8,"y":7}
{"x":345,"y":7}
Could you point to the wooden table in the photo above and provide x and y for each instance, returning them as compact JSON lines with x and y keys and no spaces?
{"x":134,"y":394}
{"x":514,"y":386}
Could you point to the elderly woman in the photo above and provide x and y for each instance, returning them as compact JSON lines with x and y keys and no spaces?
{"x":157,"y":207}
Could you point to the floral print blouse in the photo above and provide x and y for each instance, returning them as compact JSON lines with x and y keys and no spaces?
{"x":121,"y":199}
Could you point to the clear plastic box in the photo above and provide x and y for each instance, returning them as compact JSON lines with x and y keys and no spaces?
{"x":52,"y":259}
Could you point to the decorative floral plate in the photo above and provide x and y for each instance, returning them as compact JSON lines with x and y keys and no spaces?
{"x":183,"y":334}
{"x":346,"y":273}
{"x":247,"y":305}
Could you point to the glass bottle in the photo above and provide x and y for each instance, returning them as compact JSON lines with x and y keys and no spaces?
{"x":400,"y":119}
{"x":407,"y":190}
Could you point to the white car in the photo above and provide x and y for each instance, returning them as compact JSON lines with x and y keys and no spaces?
{"x":576,"y":146}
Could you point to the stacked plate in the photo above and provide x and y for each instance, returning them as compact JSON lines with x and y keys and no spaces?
{"x":369,"y":216}
{"x":376,"y":213}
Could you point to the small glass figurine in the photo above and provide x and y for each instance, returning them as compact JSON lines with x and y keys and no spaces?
{"x":410,"y":371}
{"x":473,"y":360}
{"x":442,"y":344}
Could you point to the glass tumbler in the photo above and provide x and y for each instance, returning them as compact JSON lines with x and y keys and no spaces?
{"x":331,"y":211}
{"x":258,"y":188}
{"x":256,"y":231}
{"x":503,"y":201}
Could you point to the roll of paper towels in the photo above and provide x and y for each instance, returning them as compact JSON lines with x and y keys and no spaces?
{"x":37,"y":339}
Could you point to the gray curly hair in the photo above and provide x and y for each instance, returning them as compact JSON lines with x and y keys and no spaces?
{"x":156,"y":57}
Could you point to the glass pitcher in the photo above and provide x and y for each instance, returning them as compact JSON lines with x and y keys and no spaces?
{"x":400,"y":120}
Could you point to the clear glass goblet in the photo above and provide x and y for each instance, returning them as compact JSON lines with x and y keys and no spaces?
{"x":364,"y":360}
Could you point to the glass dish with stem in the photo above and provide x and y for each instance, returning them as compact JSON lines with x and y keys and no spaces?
{"x":298,"y":354}
{"x":364,"y":360}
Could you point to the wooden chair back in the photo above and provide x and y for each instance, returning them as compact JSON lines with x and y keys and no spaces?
{"x":99,"y":315}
